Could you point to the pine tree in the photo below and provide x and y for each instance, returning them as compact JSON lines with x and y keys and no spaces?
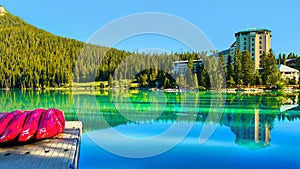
{"x":279,"y":59}
{"x":222,"y":62}
{"x":257,"y":79}
{"x":230,"y":82}
{"x":229,"y":73}
{"x":204,"y":79}
{"x":247,"y":68}
{"x":237,"y":68}
{"x":191,"y":64}
{"x":270,"y":73}
{"x":290,"y":55}
{"x":284,"y":59}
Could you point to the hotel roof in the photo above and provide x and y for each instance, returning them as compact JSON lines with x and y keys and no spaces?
{"x":283,"y":68}
{"x":253,"y":30}
{"x":224,"y":51}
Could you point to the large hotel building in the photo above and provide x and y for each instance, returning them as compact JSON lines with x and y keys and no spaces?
{"x":255,"y":40}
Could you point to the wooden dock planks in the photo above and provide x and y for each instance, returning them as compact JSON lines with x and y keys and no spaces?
{"x":60,"y":152}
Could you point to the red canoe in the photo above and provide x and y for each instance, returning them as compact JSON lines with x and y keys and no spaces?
{"x":31,"y":125}
{"x":14,"y":127}
{"x":61,"y":119}
{"x":49,"y":125}
{"x":5,"y":121}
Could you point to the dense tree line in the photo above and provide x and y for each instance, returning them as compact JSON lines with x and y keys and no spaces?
{"x":33,"y":58}
{"x":241,"y":71}
{"x":282,"y":58}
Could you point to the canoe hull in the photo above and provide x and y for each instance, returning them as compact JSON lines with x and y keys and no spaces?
{"x":31,"y":125}
{"x":25,"y":126}
{"x":5,"y":120}
{"x":14,"y":128}
{"x":49,"y":126}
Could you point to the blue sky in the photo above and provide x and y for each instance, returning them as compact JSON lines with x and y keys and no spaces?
{"x":217,"y":19}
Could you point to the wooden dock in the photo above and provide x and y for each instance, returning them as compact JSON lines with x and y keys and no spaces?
{"x":60,"y":152}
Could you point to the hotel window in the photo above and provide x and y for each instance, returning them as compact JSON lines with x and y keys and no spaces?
{"x":252,"y":44}
{"x":245,"y":38}
{"x":252,"y":39}
{"x":260,"y":52}
{"x":260,"y":42}
{"x":245,"y":43}
{"x":260,"y":37}
{"x":260,"y":47}
{"x":252,"y":49}
{"x":252,"y":55}
{"x":245,"y":48}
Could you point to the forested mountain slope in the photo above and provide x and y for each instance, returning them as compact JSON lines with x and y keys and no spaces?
{"x":31,"y":57}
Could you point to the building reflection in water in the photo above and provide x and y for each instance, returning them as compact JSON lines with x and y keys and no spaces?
{"x":252,"y":132}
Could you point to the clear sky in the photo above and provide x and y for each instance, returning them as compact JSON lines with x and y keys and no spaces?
{"x":217,"y":19}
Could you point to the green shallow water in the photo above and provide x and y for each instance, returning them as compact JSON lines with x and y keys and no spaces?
{"x":247,"y":131}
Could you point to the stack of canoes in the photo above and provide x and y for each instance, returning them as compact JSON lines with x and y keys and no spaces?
{"x":24,"y":126}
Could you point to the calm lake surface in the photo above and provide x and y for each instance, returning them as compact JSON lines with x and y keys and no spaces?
{"x":143,"y":129}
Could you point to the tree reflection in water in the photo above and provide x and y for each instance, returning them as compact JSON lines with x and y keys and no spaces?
{"x":251,"y":118}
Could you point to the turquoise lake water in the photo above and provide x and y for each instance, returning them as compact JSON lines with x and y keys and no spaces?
{"x":142,"y":129}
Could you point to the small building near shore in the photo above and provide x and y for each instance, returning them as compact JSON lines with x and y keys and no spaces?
{"x":288,"y":72}
{"x":181,"y":67}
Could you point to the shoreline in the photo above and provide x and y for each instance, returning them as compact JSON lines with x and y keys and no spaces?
{"x":248,"y":91}
{"x":104,"y":85}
